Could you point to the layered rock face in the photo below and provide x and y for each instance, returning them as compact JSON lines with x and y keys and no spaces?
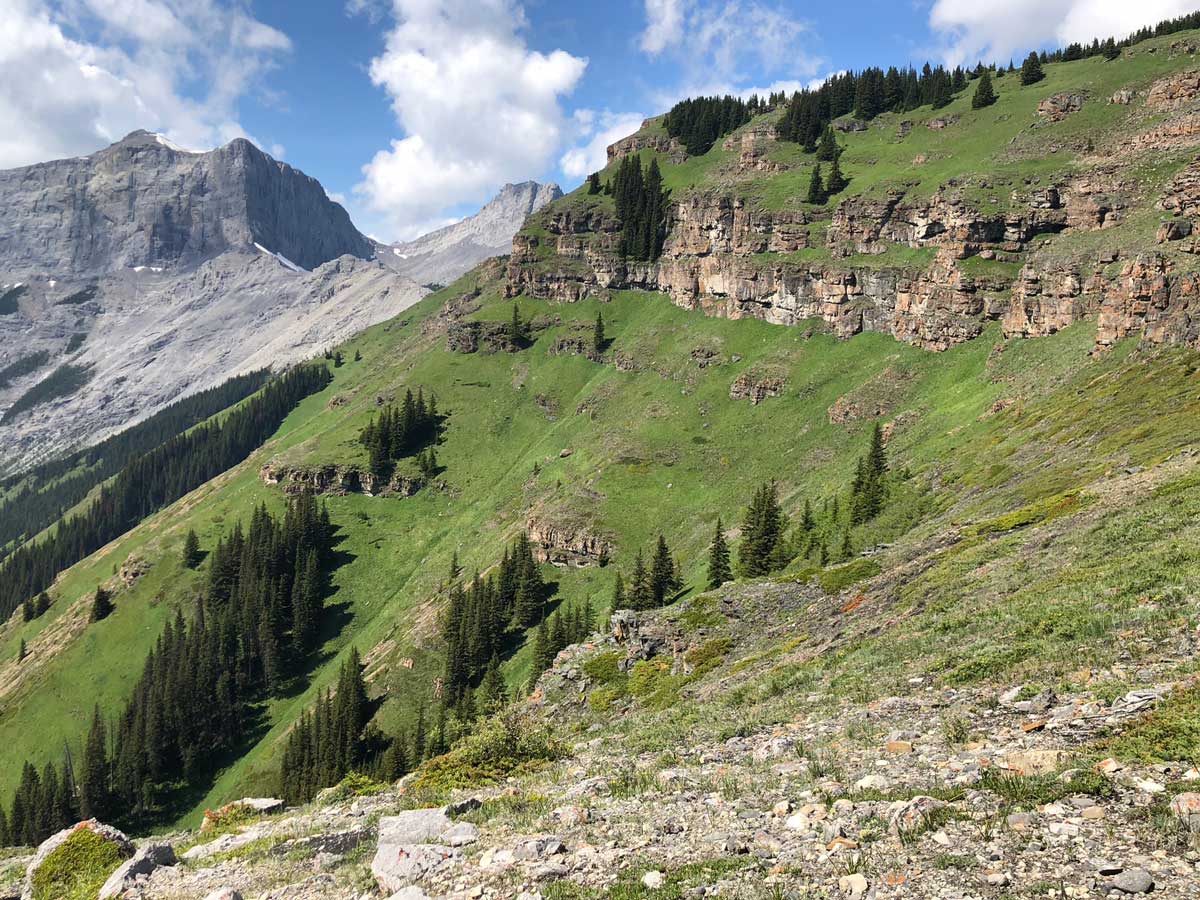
{"x":144,"y":202}
{"x":444,"y":255}
{"x":725,"y":258}
{"x":160,"y":272}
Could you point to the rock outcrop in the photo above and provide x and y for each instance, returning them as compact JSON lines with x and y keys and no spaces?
{"x":563,"y":543}
{"x":725,"y":258}
{"x":339,"y":480}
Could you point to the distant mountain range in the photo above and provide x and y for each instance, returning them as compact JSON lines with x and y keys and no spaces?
{"x":443,"y":255}
{"x":144,"y":272}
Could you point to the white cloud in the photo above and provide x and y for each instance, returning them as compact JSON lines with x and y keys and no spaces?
{"x":77,"y":76}
{"x":477,"y":106}
{"x":591,"y":154}
{"x":664,"y":25}
{"x":971,"y":30}
{"x":721,"y":46}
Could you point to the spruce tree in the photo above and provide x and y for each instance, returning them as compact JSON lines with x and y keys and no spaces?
{"x":1031,"y":70}
{"x":847,"y":550}
{"x":358,"y":356}
{"x":516,"y":328}
{"x":598,"y":334}
{"x":816,"y":188}
{"x":827,"y":149}
{"x":1111,"y":50}
{"x":719,"y":571}
{"x":191,"y":550}
{"x":102,"y":606}
{"x":43,"y":604}
{"x":836,"y":182}
{"x":93,"y":782}
{"x":984,"y":95}
{"x":640,"y":589}
{"x":618,"y":598}
{"x":22,"y":652}
{"x":663,"y":582}
{"x":594,"y":183}
{"x":762,"y":530}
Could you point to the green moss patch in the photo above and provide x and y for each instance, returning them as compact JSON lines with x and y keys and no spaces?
{"x":78,"y":868}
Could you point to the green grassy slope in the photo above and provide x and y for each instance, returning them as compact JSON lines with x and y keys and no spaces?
{"x":993,"y":435}
{"x":662,"y":448}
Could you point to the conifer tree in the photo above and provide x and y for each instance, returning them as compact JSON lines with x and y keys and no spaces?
{"x":191,"y":550}
{"x":640,"y":589}
{"x":43,"y":604}
{"x":807,"y":522}
{"x":455,"y":568}
{"x":618,"y":598}
{"x":719,"y":571}
{"x":357,"y":355}
{"x":102,"y":606}
{"x":663,"y":580}
{"x":836,"y":183}
{"x":1111,"y":50}
{"x":598,"y":334}
{"x":516,"y":328}
{"x":22,"y":652}
{"x":594,"y":183}
{"x":762,"y":529}
{"x":1031,"y":70}
{"x":984,"y":95}
{"x":28,"y":610}
{"x":93,"y":783}
{"x":491,"y":689}
{"x":847,"y":550}
{"x":816,"y":187}
{"x":827,"y":149}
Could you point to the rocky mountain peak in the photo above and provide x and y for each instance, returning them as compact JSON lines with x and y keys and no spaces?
{"x":144,"y":201}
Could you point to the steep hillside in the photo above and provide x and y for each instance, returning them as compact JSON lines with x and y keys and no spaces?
{"x":143,"y":272}
{"x":1035,"y":516}
{"x":1066,"y":199}
{"x":442,"y":256}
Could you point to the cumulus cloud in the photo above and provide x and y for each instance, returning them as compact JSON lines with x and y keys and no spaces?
{"x":596,"y":133}
{"x":720,"y":45}
{"x":664,"y":25}
{"x":76,"y":76}
{"x":477,"y":106}
{"x":971,"y":30}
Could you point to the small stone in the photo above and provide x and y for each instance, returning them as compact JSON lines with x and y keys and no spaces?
{"x":872,"y":782}
{"x":782,"y":808}
{"x":997,"y":879}
{"x":1134,"y":881}
{"x":899,"y":747}
{"x":853,"y":885}
{"x":1186,"y":807}
{"x":652,"y":881}
{"x":224,"y":893}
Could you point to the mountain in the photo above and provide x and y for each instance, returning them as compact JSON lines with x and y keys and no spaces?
{"x":443,"y":255}
{"x":144,"y":272}
{"x":941,"y":418}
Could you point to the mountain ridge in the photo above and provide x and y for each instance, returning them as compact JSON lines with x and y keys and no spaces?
{"x":441,"y":256}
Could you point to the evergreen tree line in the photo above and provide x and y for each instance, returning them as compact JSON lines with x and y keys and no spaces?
{"x":195,"y":701}
{"x":153,"y":480}
{"x":769,"y":542}
{"x":484,"y":617}
{"x":642,"y":208}
{"x":649,"y":586}
{"x":46,"y":492}
{"x":334,"y":739}
{"x":698,"y":122}
{"x":413,"y":427}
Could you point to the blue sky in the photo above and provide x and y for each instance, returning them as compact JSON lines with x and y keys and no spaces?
{"x":414,"y":112}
